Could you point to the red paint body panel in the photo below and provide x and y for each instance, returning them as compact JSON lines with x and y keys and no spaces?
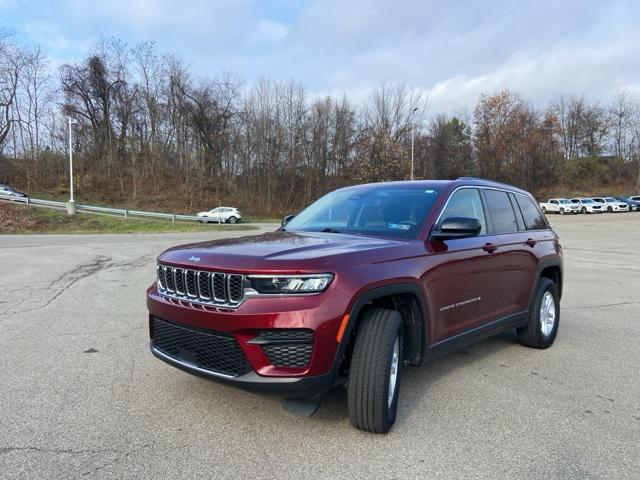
{"x":462,"y":285}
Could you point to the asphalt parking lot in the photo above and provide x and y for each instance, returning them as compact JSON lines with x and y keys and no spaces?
{"x":81,"y":396}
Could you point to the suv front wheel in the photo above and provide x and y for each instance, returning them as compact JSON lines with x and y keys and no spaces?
{"x":374,"y":376}
{"x":544,"y":317}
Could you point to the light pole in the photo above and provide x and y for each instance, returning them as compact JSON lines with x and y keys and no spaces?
{"x":413,"y":128}
{"x":71,"y":204}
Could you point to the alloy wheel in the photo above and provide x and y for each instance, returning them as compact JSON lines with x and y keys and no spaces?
{"x":547,"y":313}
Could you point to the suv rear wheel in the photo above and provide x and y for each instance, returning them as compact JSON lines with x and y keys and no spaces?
{"x":232,"y":219}
{"x":374,"y":376}
{"x":544,"y":317}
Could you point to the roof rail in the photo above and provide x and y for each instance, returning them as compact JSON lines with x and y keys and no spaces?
{"x":486,"y":180}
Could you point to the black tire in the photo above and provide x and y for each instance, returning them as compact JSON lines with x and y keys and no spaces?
{"x":544,"y":210}
{"x":532,"y":334}
{"x":584,"y":210}
{"x":562,"y":212}
{"x":232,"y":220}
{"x":609,"y":209}
{"x":368,"y":389}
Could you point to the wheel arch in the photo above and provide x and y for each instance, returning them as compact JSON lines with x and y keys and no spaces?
{"x":549,"y":268}
{"x":406,"y":298}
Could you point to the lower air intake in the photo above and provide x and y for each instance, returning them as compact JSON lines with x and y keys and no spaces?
{"x":217,"y":352}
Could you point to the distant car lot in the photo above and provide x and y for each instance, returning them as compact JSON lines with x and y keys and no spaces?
{"x":81,"y":394}
{"x":583,"y":205}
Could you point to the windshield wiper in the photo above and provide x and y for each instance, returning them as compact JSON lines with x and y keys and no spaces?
{"x":329,"y":230}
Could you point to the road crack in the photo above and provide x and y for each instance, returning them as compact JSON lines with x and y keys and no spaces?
{"x":603,"y":305}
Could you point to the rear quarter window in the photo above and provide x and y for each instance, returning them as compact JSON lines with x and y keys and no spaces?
{"x":533,"y":218}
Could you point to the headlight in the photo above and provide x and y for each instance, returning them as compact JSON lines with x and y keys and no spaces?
{"x":290,"y":284}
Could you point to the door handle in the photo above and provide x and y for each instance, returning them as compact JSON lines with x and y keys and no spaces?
{"x":489,"y":247}
{"x":531,"y":242}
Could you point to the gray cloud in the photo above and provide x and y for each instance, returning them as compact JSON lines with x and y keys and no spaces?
{"x":451,"y":51}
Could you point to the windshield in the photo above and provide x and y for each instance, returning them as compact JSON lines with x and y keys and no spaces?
{"x":564,"y":201}
{"x":587,"y":200}
{"x":388,"y":211}
{"x":610,"y":199}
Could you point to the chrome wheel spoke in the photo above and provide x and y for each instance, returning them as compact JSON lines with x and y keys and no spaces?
{"x":547,"y":313}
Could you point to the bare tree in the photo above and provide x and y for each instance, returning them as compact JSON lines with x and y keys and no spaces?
{"x":11,"y":64}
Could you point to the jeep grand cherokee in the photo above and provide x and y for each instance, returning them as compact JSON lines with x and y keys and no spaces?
{"x":366,"y":280}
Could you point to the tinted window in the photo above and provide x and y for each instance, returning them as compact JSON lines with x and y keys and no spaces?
{"x":516,"y":209}
{"x":384,"y":210}
{"x":502,"y":217}
{"x":466,"y":203}
{"x":533,"y":218}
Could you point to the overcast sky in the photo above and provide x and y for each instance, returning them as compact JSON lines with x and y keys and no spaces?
{"x":452,"y":51}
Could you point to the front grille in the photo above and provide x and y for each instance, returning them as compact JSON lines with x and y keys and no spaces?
{"x":289,"y":348}
{"x":215,"y":288}
{"x":210,"y":350}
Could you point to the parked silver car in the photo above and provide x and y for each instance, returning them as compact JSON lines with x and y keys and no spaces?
{"x":221,"y":215}
{"x":7,"y":191}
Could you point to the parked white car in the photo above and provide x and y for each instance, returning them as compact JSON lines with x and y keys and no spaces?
{"x":610,"y":204}
{"x":559,"y":205}
{"x":635,"y":198}
{"x":221,"y":215}
{"x":588,"y":205}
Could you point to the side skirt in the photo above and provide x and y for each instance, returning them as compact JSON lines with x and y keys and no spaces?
{"x":475,"y":335}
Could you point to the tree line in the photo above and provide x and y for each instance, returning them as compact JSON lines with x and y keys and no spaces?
{"x":149,"y":131}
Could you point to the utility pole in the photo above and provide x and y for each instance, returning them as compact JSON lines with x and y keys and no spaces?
{"x":413,"y":128}
{"x":71,"y":204}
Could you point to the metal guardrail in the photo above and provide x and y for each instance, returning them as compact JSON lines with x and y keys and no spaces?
{"x":107,"y":210}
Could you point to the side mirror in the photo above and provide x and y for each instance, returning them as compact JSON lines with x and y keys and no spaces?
{"x":286,"y":219}
{"x":457,"y":227}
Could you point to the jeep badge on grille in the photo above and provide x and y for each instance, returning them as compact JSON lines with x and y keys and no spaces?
{"x":193,"y":259}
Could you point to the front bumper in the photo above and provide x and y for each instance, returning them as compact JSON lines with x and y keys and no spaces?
{"x":289,"y":387}
{"x":320,"y":314}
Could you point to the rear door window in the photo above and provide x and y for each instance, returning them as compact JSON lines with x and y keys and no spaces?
{"x":533,"y":217}
{"x":503,"y":218}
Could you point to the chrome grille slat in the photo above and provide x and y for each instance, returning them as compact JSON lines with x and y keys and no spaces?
{"x":190,"y":283}
{"x":169,"y":279}
{"x":204,"y":285}
{"x":234,"y":287}
{"x":219,"y":286}
{"x":178,"y":273}
{"x":201,"y":286}
{"x":161,"y":277}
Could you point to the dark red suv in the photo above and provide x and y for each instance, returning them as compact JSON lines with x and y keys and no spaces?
{"x":366,"y":280}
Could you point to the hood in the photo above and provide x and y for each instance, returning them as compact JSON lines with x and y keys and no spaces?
{"x":285,"y":251}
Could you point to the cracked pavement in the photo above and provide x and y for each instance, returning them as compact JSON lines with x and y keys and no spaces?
{"x":81,"y":396}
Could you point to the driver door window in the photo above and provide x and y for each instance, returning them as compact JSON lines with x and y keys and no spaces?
{"x":466,"y":202}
